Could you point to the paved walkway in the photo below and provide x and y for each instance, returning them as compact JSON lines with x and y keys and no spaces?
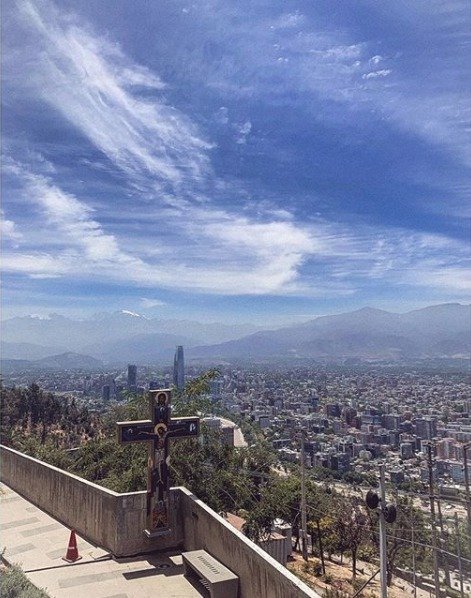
{"x":37,"y":542}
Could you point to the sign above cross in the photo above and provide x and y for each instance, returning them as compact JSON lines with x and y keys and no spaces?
{"x":157,"y":431}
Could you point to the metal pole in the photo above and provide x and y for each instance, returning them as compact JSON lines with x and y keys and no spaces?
{"x":383,"y":554}
{"x":458,"y":552}
{"x":303,"y":501}
{"x":432,"y":515}
{"x":414,"y":579}
{"x":358,"y":592}
{"x":466,"y":484}
{"x":443,"y":535}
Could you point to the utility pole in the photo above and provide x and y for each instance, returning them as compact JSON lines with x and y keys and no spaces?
{"x":458,"y":552}
{"x":443,"y":543}
{"x":303,"y":531}
{"x":321,"y":548}
{"x":383,"y":547}
{"x":432,"y":515}
{"x":414,"y":578}
{"x":466,"y":484}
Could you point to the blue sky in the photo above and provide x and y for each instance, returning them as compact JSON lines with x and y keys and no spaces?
{"x":252,"y":160}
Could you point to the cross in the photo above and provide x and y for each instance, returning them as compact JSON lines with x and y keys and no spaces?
{"x":157,"y":431}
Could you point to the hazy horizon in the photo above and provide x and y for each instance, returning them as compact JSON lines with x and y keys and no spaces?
{"x":284,"y":319}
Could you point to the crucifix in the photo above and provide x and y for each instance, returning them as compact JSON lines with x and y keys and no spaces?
{"x":157,"y":431}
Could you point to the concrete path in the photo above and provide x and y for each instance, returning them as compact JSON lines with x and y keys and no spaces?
{"x":37,"y":542}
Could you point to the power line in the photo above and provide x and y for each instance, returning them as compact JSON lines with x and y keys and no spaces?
{"x":391,"y":536}
{"x":429,"y":546}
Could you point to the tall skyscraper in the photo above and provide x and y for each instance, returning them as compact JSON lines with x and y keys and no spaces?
{"x":179,"y":369}
{"x":132,"y":376}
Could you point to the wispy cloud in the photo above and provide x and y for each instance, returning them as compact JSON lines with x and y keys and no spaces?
{"x":185,"y":240}
{"x":9,"y":230}
{"x":222,"y":255}
{"x":376,"y":74}
{"x":147,"y":303}
{"x":159,"y":149}
{"x":292,"y":53}
{"x":217,"y":253}
{"x":91,"y":82}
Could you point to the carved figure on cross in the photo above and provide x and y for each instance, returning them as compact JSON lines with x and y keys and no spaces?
{"x":157,"y":431}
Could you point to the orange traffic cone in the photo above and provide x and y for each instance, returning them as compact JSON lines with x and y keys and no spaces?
{"x":72,"y":550}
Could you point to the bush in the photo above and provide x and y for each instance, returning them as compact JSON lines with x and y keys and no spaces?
{"x":317,"y":569}
{"x":15,"y":584}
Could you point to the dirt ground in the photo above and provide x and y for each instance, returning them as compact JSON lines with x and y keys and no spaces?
{"x":340,"y":578}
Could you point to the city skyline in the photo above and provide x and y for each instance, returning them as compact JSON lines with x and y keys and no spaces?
{"x":250,"y":161}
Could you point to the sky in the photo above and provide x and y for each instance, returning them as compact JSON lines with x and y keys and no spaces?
{"x":253,"y":160}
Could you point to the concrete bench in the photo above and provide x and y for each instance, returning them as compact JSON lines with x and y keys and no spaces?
{"x":215,"y":577}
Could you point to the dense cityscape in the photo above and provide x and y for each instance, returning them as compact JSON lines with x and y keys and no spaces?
{"x":339,"y":424}
{"x":351,"y":418}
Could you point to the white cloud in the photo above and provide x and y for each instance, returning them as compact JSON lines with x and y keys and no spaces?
{"x":243,"y":131}
{"x":150,"y":303}
{"x":376,"y":59}
{"x":8,"y":229}
{"x":90,"y":82}
{"x":222,"y":115}
{"x":37,"y":264}
{"x":288,"y":21}
{"x":141,"y":76}
{"x":376,"y":74}
{"x":270,"y":57}
{"x":216,"y":252}
{"x":444,"y":278}
{"x":201,"y":248}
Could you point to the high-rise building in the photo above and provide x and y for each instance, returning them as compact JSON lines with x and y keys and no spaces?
{"x":179,"y":369}
{"x":406,"y":450}
{"x":426,"y":427}
{"x":132,"y":376}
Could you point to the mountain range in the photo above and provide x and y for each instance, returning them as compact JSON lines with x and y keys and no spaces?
{"x":63,"y":361}
{"x":122,"y":336}
{"x":440,"y":331}
{"x":436,"y":331}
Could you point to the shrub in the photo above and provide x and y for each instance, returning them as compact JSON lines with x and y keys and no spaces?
{"x":15,"y":584}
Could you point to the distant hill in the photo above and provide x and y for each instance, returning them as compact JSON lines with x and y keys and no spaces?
{"x":9,"y":366}
{"x":63,"y":361}
{"x":433,"y":332}
{"x":30,"y":337}
{"x":69,"y":361}
{"x":27,"y":351}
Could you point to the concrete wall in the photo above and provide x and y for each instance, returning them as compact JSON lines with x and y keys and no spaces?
{"x":110,"y":520}
{"x":116,"y":523}
{"x":276,"y":547}
{"x":260,"y":574}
